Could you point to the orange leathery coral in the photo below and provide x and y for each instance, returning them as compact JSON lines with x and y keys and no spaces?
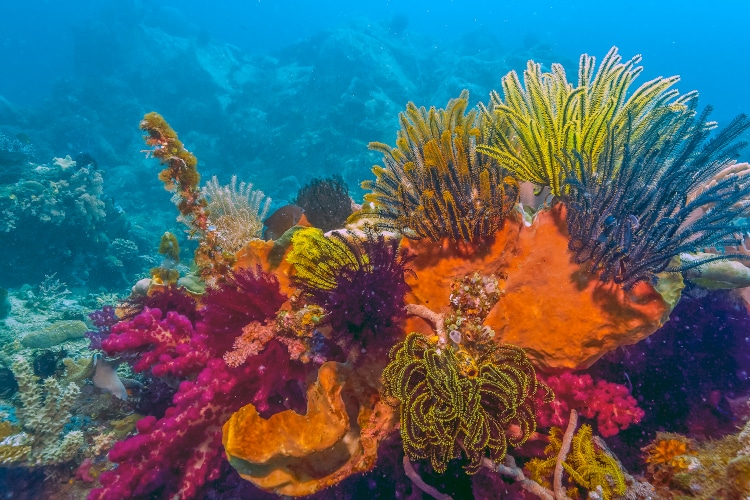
{"x":563,"y":316}
{"x":292,"y":454}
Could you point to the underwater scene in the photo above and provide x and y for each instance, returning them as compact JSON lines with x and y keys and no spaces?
{"x":377,"y":250}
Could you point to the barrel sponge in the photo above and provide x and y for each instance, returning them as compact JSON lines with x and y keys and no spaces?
{"x":56,"y":333}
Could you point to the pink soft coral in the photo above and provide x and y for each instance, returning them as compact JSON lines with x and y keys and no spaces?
{"x":610,"y":404}
{"x":174,"y":456}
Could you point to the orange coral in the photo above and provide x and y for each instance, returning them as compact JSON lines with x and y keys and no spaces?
{"x":292,"y":454}
{"x":669,"y":451}
{"x":563,"y":316}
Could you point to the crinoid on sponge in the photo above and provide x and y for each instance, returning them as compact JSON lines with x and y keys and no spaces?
{"x":451,"y":402}
{"x":656,"y":194}
{"x":529,"y":129}
{"x":357,"y":278}
{"x":434,"y":184}
{"x":326,"y":202}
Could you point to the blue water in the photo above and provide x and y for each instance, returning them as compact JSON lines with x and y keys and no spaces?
{"x":701,"y":41}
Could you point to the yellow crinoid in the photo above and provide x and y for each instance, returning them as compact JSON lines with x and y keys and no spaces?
{"x":535,"y":125}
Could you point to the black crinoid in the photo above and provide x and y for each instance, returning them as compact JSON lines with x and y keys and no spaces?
{"x":653,"y":195}
{"x":358,"y":278}
{"x":326,"y":202}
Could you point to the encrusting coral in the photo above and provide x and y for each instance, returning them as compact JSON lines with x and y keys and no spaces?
{"x":434,"y":184}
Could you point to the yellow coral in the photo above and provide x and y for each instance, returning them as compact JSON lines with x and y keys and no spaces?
{"x":670,"y":451}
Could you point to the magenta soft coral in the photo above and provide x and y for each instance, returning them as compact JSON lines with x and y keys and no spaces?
{"x":169,"y":346}
{"x":610,"y":404}
{"x":176,"y":455}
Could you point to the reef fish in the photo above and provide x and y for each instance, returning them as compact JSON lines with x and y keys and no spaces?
{"x":281,"y":220}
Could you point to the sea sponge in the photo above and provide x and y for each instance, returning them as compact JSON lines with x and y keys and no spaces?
{"x":559,"y":313}
{"x":296,"y":455}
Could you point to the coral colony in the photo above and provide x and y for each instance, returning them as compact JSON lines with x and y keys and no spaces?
{"x":450,"y":314}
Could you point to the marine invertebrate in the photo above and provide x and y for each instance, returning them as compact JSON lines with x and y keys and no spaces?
{"x":610,"y":404}
{"x":358,"y":279}
{"x":326,"y":202}
{"x":180,"y":176}
{"x":177,"y":454}
{"x":45,"y":410}
{"x":235,"y":212}
{"x":645,"y":200}
{"x":583,"y":318}
{"x":291,"y":453}
{"x":587,"y":464}
{"x":451,"y":403}
{"x":433,"y":183}
{"x":54,"y":334}
{"x":529,"y":129}
{"x":170,"y":345}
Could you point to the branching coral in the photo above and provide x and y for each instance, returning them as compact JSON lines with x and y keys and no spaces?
{"x":531,"y":128}
{"x":358,"y":279}
{"x":446,"y":409}
{"x":235,"y":212}
{"x":434,"y":184}
{"x":326,"y":202}
{"x":181,"y":176}
{"x":647,"y":201}
{"x":610,"y":404}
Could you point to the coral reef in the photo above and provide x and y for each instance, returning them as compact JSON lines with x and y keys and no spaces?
{"x":45,"y":410}
{"x":326,"y":202}
{"x":358,"y":279}
{"x":610,"y":404}
{"x":451,"y":403}
{"x":434,"y":184}
{"x":235,"y":212}
{"x":54,"y":334}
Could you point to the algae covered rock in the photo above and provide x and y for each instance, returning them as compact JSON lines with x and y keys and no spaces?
{"x":56,"y":333}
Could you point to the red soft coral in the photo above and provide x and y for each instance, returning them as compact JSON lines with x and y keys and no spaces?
{"x":610,"y":404}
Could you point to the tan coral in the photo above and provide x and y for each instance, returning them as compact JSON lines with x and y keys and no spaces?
{"x":295,"y":455}
{"x":564,"y":317}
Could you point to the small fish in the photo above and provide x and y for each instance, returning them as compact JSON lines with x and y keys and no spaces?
{"x":281,"y":220}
